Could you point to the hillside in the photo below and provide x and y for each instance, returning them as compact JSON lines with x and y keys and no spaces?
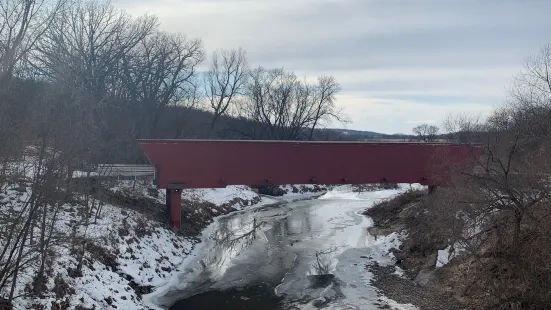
{"x":355,"y":135}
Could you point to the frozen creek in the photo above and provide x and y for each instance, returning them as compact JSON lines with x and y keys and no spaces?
{"x":286,"y":254}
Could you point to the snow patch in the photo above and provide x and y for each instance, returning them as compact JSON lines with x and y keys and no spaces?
{"x":301,"y":191}
{"x":446,"y":255}
{"x":395,"y":305}
{"x":84,"y":174}
{"x":399,"y":272}
{"x":220,"y":196}
{"x":348,"y":192}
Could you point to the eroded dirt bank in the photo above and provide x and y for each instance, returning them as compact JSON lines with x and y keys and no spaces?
{"x":417,"y":277}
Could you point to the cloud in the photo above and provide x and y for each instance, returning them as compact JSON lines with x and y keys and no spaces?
{"x":489,"y":83}
{"x":391,"y":115}
{"x":429,"y":57}
{"x":430,"y":121}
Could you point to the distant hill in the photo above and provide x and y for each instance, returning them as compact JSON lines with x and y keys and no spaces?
{"x":197,"y":124}
{"x":355,"y":135}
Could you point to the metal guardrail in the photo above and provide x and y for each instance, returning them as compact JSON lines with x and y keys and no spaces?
{"x":121,"y":170}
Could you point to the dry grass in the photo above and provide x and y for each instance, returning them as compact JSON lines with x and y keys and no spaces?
{"x":491,"y":273}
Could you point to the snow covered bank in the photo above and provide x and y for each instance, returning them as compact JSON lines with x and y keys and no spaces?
{"x":421,"y":256}
{"x":302,"y":191}
{"x":221,"y":196}
{"x":124,"y":252}
{"x":292,"y":192}
{"x":237,"y":195}
{"x":120,"y":251}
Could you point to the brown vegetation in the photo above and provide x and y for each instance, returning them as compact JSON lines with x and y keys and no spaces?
{"x":388,"y":215}
{"x":495,"y":215}
{"x":488,"y":273}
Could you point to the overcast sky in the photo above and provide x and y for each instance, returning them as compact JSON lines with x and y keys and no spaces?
{"x":399,"y":63}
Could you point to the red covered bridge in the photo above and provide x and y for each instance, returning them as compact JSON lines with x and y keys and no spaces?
{"x":183,"y":164}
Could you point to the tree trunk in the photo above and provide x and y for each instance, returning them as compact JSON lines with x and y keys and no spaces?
{"x":212,"y":123}
{"x":516,"y":233}
{"x":42,"y":242}
{"x":18,"y":265}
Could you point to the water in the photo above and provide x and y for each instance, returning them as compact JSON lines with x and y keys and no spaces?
{"x":280,"y":256}
{"x":259,"y":297}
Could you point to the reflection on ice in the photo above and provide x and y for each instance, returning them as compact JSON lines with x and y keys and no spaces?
{"x":231,"y":238}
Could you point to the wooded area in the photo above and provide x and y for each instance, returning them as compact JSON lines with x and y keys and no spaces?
{"x":112,"y":78}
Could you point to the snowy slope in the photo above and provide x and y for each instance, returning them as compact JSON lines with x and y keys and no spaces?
{"x":126,"y":253}
{"x":121,"y":245}
{"x":220,"y":196}
{"x":216,"y":196}
{"x":302,"y":191}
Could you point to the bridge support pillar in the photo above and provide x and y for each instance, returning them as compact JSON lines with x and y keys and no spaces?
{"x":167,"y":201}
{"x":174,"y":207}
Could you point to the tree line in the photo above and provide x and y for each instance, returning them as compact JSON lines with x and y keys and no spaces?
{"x":123,"y":78}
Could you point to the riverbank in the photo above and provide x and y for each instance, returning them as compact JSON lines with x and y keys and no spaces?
{"x":393,"y":284}
{"x":419,"y":259}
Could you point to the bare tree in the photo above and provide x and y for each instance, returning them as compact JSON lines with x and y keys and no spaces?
{"x":325,"y":108}
{"x":425,"y":132}
{"x":159,"y":72}
{"x":499,"y":211}
{"x":285,"y":108}
{"x":532,"y":87}
{"x":38,"y":214}
{"x":274,"y":104}
{"x":531,"y":95}
{"x":85,"y":46}
{"x":189,"y":102}
{"x":503,"y":203}
{"x":22,"y":24}
{"x":225,"y":81}
{"x":464,"y":128}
